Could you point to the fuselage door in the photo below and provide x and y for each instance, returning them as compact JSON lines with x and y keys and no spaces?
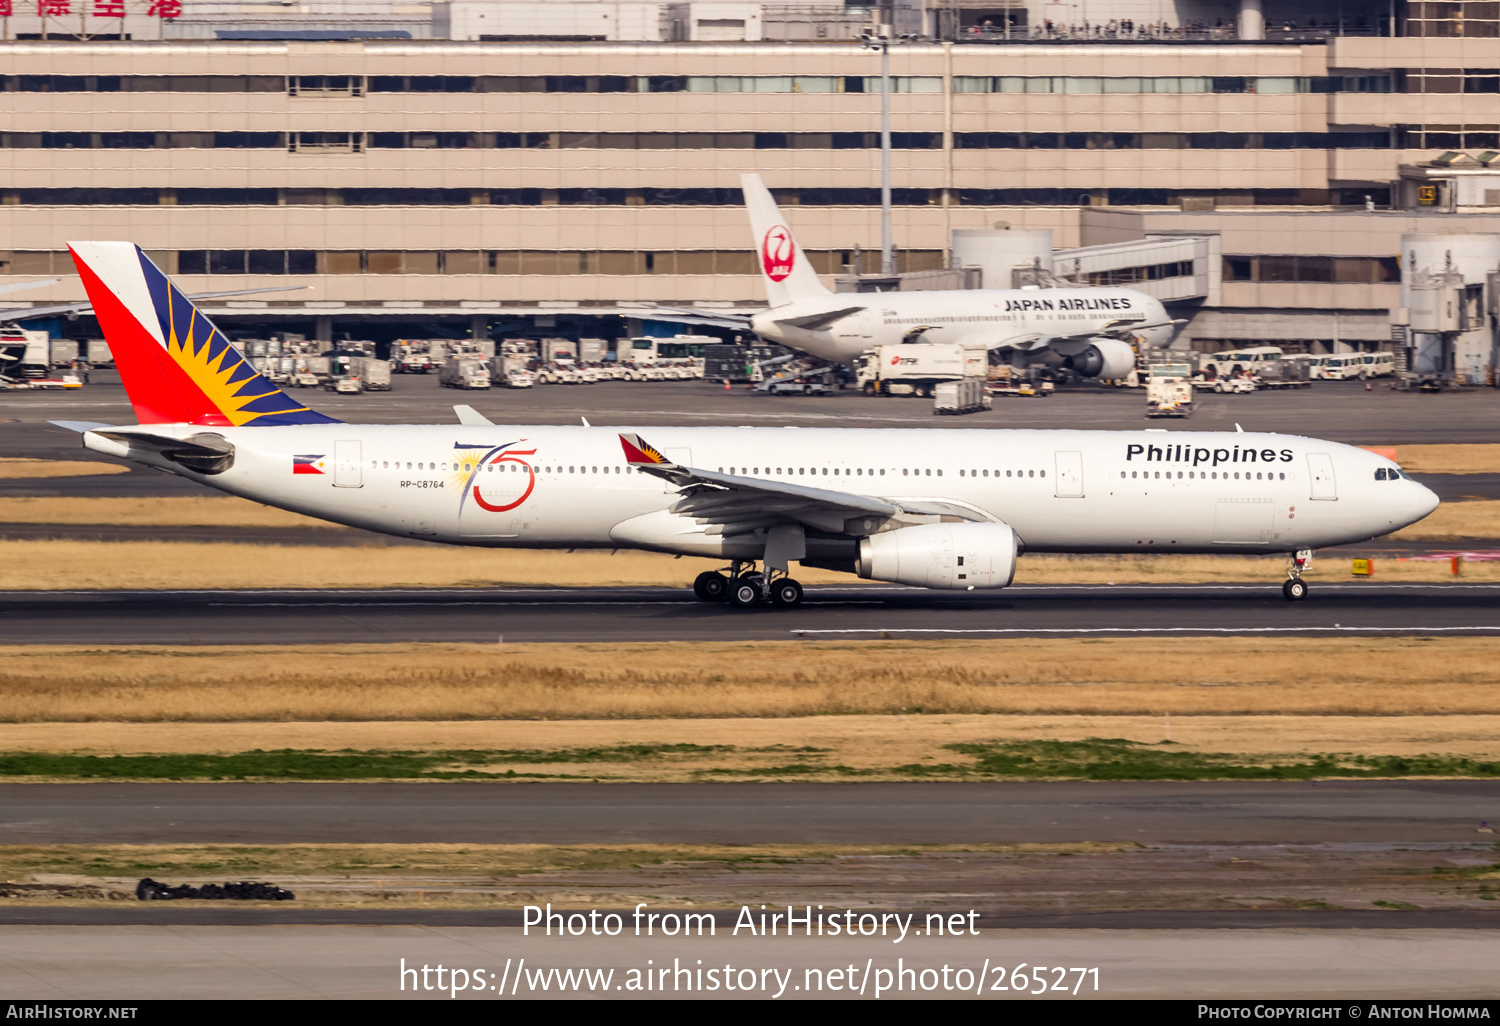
{"x":347,"y":462}
{"x":1320,"y":467}
{"x":1069,"y":475}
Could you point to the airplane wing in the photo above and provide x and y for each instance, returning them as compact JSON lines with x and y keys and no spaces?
{"x":22,"y":286}
{"x":737,"y":504}
{"x":690,"y":315}
{"x":26,"y":313}
{"x":1037,"y":340}
{"x":819,"y":321}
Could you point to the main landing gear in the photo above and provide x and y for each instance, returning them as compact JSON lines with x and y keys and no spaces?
{"x":742,"y":586}
{"x":1294,"y":587}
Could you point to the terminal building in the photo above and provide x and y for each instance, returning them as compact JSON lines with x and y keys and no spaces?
{"x":500,"y":167}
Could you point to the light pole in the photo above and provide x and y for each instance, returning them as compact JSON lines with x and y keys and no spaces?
{"x":882,"y":42}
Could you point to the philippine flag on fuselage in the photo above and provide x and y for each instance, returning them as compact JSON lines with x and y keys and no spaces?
{"x":307,"y":464}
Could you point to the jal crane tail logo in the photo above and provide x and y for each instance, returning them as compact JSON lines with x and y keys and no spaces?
{"x":778,"y":253}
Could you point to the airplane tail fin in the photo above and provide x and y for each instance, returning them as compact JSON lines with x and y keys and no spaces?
{"x":784,"y":266}
{"x":177,"y":367}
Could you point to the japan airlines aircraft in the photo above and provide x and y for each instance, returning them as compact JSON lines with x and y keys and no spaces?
{"x":935,"y":508}
{"x":1092,"y":329}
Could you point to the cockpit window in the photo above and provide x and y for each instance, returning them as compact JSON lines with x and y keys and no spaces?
{"x":1380,"y":473}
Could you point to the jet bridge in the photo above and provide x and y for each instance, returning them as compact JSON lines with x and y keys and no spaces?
{"x":1171,"y":268}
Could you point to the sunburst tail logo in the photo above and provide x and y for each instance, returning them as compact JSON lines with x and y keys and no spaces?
{"x":176,"y":366}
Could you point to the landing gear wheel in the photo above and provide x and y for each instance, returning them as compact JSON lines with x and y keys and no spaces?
{"x":710,"y":586}
{"x":786,"y":594}
{"x":1295,"y":589}
{"x":744,"y":592}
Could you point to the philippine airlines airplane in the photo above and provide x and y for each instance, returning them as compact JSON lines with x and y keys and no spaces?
{"x":1092,"y":329}
{"x":935,"y":508}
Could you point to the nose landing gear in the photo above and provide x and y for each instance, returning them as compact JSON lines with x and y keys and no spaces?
{"x":742,"y":586}
{"x":1294,"y":587}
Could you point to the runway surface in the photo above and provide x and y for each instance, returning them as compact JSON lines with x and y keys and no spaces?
{"x":498,"y":963}
{"x":135,"y":962}
{"x":1154,"y":812}
{"x":666,"y":614}
{"x":1341,"y":411}
{"x":156,"y":913}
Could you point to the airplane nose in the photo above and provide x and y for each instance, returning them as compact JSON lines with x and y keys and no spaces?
{"x":1426,"y":502}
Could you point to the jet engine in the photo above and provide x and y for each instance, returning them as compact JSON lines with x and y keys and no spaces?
{"x":953,"y":556}
{"x":1103,"y":358}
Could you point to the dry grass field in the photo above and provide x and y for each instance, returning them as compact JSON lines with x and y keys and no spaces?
{"x":155,"y":511}
{"x":1449,"y":459}
{"x":43,"y":565}
{"x":16,"y":467}
{"x":644,"y":681}
{"x":743,"y":745}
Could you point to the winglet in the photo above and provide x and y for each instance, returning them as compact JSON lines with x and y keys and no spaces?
{"x":471,"y":417}
{"x":638,"y":450}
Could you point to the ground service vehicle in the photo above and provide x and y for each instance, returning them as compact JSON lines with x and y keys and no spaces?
{"x":1343,"y":366}
{"x":466,"y":372}
{"x":1238,"y":362}
{"x":1169,"y":391}
{"x":374,"y":374}
{"x":915,"y":370}
{"x":558,"y":350}
{"x":24,"y":354}
{"x":938,"y":508}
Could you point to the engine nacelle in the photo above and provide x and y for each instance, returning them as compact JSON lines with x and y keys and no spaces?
{"x":953,"y":556}
{"x":1103,"y":358}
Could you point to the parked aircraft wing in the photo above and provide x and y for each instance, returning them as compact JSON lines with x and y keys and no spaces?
{"x":26,"y":313}
{"x":1025,"y":340}
{"x":737,"y":503}
{"x":22,"y":286}
{"x":819,"y":321}
{"x":690,"y":315}
{"x":1036,"y":340}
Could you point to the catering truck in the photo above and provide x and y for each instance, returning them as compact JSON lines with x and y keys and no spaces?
{"x":916,"y":369}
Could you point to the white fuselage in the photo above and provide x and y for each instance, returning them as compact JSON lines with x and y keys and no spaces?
{"x":981,"y":317}
{"x":1061,"y":490}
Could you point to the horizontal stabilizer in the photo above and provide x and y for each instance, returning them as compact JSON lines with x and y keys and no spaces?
{"x":79,"y":425}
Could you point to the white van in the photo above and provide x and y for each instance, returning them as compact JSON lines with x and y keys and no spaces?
{"x":1343,"y":366}
{"x":1256,"y":360}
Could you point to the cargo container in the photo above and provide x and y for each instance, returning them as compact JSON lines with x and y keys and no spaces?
{"x":963,"y":396}
{"x":63,"y":351}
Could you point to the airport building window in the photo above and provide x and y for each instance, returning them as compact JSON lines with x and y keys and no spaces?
{"x":1170,"y":85}
{"x":1453,"y":18}
{"x":1447,"y":137}
{"x":1172,"y":140}
{"x":1339,"y":270}
{"x":1131,"y":275}
{"x":333,"y":86}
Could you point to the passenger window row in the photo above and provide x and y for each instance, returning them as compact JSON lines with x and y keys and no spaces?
{"x":502,"y":468}
{"x":1206,"y":475}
